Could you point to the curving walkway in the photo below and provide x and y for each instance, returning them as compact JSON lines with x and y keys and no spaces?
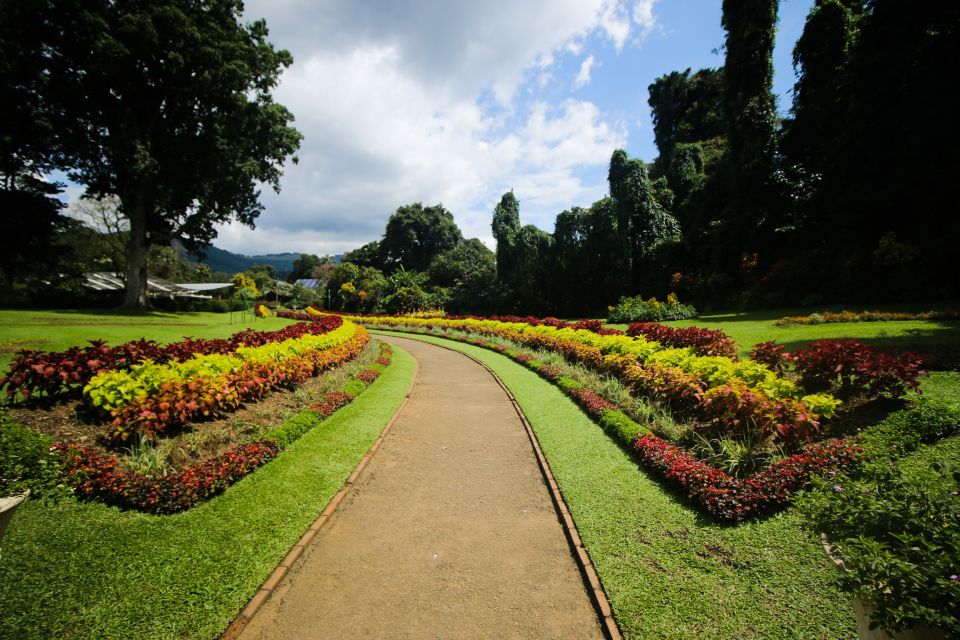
{"x":448,"y":533}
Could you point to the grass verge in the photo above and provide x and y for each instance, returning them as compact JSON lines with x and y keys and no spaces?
{"x":669,"y":572}
{"x":83,"y":570}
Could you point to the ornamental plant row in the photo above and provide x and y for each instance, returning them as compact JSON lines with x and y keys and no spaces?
{"x":721,"y":495}
{"x":58,"y":375}
{"x":828,"y":317}
{"x":102,"y":477}
{"x":715,"y":390}
{"x":187,"y":399}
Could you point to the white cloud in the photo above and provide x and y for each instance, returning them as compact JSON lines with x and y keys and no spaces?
{"x":644,"y":17}
{"x":583,"y":76}
{"x":417,"y":101}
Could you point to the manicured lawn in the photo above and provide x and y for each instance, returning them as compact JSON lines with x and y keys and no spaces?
{"x":669,"y":572}
{"x":84,"y":570}
{"x":59,"y":330}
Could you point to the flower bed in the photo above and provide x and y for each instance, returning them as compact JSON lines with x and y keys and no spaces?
{"x":150,"y":398}
{"x":723,"y":496}
{"x":103,"y":477}
{"x":716,"y":390}
{"x":59,"y":375}
{"x":866,"y":316}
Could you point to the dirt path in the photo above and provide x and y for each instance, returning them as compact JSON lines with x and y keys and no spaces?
{"x":448,"y":533}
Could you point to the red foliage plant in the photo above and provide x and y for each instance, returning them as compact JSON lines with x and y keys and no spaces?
{"x":857,"y":369}
{"x":733,"y":499}
{"x":102,"y":477}
{"x":705,"y":342}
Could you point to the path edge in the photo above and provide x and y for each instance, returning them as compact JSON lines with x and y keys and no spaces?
{"x":591,"y":580}
{"x":270,"y":585}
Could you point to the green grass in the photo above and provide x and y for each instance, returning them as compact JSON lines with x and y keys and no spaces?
{"x":85,"y":570}
{"x":59,"y":330}
{"x":669,"y":572}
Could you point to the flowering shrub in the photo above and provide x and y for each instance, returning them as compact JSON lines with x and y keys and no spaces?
{"x":102,"y":477}
{"x":705,"y":342}
{"x":896,"y":531}
{"x":637,"y":309}
{"x":866,"y":316}
{"x":733,"y":499}
{"x":263,"y":311}
{"x":64,"y":374}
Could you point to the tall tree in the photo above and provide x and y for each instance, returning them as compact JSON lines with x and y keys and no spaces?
{"x":415,"y":235}
{"x":506,"y":227}
{"x":165,"y":104}
{"x":751,"y":114}
{"x":643,"y":223}
{"x":685,"y":108}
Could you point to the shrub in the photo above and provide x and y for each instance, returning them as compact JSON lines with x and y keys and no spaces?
{"x":26,"y":461}
{"x":905,"y":431}
{"x":705,"y":342}
{"x":636,"y":309}
{"x":899,"y":539}
{"x":854,"y":368}
{"x":772,"y":354}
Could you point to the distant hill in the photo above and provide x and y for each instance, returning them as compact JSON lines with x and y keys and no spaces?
{"x":229,"y":262}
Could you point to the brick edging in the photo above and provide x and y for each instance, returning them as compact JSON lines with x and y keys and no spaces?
{"x":591,"y":581}
{"x":270,"y":585}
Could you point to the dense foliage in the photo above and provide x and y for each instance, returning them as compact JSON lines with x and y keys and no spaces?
{"x":26,"y":461}
{"x":636,"y":309}
{"x":896,"y":529}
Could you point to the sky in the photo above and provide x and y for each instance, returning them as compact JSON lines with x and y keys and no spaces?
{"x":456,"y":102}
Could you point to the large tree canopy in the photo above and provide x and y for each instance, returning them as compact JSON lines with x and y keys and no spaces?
{"x":415,"y":235}
{"x":165,"y":104}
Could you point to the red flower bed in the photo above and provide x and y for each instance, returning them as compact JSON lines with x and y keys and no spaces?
{"x":63,"y":374}
{"x":94,"y":475}
{"x":705,"y":342}
{"x":591,"y":402}
{"x":731,"y":499}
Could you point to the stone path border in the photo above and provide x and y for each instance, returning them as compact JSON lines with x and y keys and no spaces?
{"x":589,"y":574}
{"x":592,"y":582}
{"x":270,"y":584}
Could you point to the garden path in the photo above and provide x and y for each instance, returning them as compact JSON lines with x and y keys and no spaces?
{"x":448,"y":533}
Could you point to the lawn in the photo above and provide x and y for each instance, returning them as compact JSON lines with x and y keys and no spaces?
{"x":59,"y":330}
{"x":668,"y":571}
{"x":84,"y":570}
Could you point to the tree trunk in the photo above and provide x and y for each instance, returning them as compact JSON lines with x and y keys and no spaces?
{"x":136,"y":291}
